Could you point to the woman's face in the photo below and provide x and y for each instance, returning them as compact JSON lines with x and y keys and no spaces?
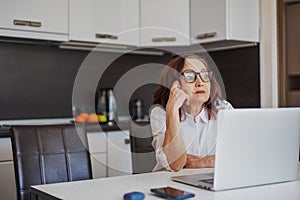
{"x":198,"y":91}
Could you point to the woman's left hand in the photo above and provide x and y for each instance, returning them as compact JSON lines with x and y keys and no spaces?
{"x":200,"y":161}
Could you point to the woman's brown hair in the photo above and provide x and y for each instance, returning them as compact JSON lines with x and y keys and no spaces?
{"x":171,"y":73}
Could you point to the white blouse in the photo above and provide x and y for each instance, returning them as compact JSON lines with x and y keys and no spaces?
{"x":199,"y":134}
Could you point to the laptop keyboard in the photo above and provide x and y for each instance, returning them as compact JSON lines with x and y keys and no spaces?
{"x":209,"y":181}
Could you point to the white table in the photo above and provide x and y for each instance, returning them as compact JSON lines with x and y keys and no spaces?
{"x":114,"y":188}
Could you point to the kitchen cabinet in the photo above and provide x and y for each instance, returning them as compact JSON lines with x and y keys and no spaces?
{"x":38,"y":19}
{"x":7,"y":180}
{"x":135,"y":22}
{"x":98,"y":153}
{"x":289,"y":60}
{"x":215,"y":20}
{"x":292,"y":54}
{"x":185,"y":22}
{"x":169,"y":20}
{"x":105,"y":21}
{"x":118,"y":153}
{"x":110,"y":153}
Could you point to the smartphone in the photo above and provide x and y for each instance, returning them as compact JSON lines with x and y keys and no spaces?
{"x":172,"y":193}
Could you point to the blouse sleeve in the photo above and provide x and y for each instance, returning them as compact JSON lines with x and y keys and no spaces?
{"x":223,"y":104}
{"x":158,"y":128}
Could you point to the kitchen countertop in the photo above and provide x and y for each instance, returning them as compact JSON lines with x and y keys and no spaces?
{"x":96,"y":127}
{"x":4,"y":123}
{"x":90,"y":127}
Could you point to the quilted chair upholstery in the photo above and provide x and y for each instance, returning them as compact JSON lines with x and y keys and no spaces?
{"x":46,"y":154}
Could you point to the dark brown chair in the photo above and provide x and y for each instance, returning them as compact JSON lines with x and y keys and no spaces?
{"x":142,"y":152}
{"x":46,"y":154}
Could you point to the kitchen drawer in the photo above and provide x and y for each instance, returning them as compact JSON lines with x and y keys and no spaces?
{"x":96,"y":142}
{"x":5,"y":149}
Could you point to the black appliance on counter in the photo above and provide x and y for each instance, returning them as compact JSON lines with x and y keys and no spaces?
{"x":137,"y":109}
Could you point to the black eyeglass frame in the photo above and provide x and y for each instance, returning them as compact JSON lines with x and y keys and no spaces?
{"x":200,"y":74}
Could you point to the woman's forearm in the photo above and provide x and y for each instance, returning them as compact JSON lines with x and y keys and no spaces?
{"x":200,"y":161}
{"x":173,"y":145}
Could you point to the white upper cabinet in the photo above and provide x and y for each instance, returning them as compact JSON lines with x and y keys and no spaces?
{"x":165,"y":22}
{"x":107,"y":21}
{"x":185,"y":22}
{"x":208,"y":21}
{"x":243,"y":20}
{"x":38,"y":19}
{"x":215,"y":20}
{"x":146,"y":23}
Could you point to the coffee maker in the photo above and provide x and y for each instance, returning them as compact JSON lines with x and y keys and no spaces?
{"x":106,"y":104}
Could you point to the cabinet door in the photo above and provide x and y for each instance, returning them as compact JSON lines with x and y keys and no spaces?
{"x":98,"y":162}
{"x":98,"y":148}
{"x":107,"y":21}
{"x":7,"y":175}
{"x":169,"y":20}
{"x":215,"y":20}
{"x":33,"y":17}
{"x":208,"y":20}
{"x":243,"y":20}
{"x":7,"y":181}
{"x":97,"y":142}
{"x":5,"y":149}
{"x":118,"y":153}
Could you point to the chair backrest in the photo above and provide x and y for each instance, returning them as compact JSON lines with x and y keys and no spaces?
{"x":142,"y":152}
{"x":48,"y":154}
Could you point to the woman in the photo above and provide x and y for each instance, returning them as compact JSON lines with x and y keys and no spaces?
{"x":183,"y":119}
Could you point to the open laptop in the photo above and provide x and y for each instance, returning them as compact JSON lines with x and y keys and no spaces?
{"x":254,"y":147}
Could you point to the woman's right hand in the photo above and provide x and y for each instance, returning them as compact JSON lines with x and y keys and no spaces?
{"x":177,"y":96}
{"x":173,"y":145}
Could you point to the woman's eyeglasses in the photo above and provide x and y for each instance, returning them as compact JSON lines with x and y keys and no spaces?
{"x":190,"y":76}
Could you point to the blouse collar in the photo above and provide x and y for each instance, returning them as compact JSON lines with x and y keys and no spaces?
{"x":203,"y":116}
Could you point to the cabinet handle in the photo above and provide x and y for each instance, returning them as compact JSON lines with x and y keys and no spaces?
{"x":206,"y":35}
{"x":164,"y":39}
{"x":126,"y":141}
{"x":106,"y":36}
{"x":35,"y":24}
{"x":21,"y":22}
{"x":27,"y":23}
